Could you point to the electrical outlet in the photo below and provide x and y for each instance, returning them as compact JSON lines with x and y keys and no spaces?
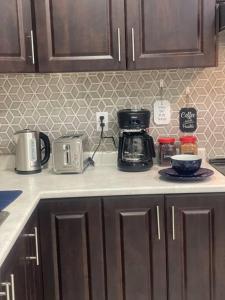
{"x":106,"y":120}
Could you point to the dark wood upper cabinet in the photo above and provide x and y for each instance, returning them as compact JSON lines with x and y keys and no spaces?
{"x":15,"y":36}
{"x":72,"y":249}
{"x":74,"y":35}
{"x":170,"y":34}
{"x":196,"y":243}
{"x":135,"y":247}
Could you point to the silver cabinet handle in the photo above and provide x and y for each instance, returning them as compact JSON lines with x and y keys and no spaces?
{"x":158,"y":222}
{"x":173,"y":223}
{"x":13,"y":286}
{"x":6,"y":293}
{"x":119,"y":44}
{"x":36,"y":245}
{"x":35,"y":235}
{"x":31,"y":36}
{"x":217,"y":18}
{"x":133,"y":44}
{"x":32,"y":46}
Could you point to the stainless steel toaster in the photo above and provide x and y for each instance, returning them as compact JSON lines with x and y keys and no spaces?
{"x":70,"y":154}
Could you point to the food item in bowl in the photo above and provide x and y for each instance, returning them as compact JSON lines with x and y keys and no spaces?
{"x":185,"y":163}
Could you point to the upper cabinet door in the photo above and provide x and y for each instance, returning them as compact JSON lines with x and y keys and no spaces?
{"x":170,"y":34}
{"x":16,"y":44}
{"x":75,"y":35}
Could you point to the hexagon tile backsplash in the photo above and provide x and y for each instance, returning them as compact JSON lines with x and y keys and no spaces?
{"x":64,"y":103}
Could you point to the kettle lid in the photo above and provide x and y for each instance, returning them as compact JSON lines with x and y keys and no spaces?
{"x":26,"y":130}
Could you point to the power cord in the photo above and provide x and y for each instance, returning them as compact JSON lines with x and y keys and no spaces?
{"x":102,"y":137}
{"x":102,"y":125}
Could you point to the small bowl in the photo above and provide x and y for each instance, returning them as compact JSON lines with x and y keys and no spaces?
{"x":186,"y":164}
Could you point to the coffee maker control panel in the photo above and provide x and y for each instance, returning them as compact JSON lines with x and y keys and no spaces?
{"x":133,"y":119}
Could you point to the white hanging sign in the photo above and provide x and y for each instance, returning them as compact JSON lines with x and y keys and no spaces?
{"x":162,"y":112}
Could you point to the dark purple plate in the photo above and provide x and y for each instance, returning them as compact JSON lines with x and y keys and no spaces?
{"x":170,"y":173}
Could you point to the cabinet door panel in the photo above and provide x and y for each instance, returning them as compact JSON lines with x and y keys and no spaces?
{"x":171,"y":34}
{"x":76,"y":35}
{"x":15,"y":28}
{"x":33,"y":269}
{"x":136,"y":260}
{"x":13,"y":270}
{"x":196,"y":263}
{"x":76,"y":258}
{"x":72,"y":249}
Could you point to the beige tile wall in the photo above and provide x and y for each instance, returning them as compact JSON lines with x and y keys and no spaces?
{"x":64,"y":103}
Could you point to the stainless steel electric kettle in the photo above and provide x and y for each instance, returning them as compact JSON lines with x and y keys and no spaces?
{"x":29,"y":152}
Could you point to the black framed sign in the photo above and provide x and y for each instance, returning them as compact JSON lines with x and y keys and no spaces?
{"x":188,"y":119}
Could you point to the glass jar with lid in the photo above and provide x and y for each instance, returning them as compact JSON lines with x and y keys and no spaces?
{"x":188,"y":145}
{"x":167,"y":148}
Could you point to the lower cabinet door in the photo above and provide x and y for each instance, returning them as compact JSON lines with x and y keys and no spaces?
{"x":12,"y":274}
{"x":196,"y":246}
{"x":33,"y":259}
{"x":135,"y":247}
{"x":72,"y":249}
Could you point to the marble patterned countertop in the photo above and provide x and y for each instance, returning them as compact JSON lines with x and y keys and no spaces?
{"x":102,"y":180}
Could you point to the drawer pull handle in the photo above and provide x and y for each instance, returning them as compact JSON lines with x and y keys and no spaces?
{"x":6,"y":293}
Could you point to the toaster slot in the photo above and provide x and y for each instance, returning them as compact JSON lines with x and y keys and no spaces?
{"x":67,"y":154}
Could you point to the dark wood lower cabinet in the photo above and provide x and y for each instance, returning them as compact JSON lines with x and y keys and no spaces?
{"x":145,"y":247}
{"x":31,"y":238}
{"x":150,"y":247}
{"x":20,"y":271}
{"x":72,"y":249}
{"x":196,"y":246}
{"x":135,"y":247}
{"x":12,"y":273}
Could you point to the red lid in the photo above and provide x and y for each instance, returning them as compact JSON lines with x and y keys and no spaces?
{"x":188,"y":139}
{"x":166,"y":140}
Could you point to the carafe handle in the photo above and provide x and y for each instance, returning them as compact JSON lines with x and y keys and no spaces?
{"x":151,"y":146}
{"x":47,"y":148}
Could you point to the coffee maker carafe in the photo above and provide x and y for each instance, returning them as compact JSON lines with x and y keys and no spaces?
{"x":136,"y":147}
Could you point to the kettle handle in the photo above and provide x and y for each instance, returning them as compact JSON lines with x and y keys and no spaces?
{"x":47,"y":147}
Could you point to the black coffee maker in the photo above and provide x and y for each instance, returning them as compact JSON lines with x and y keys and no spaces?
{"x":136,"y":147}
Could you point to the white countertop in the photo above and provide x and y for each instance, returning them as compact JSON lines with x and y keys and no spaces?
{"x":102,"y":180}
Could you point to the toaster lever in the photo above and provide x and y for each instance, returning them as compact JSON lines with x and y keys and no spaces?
{"x":67,"y":154}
